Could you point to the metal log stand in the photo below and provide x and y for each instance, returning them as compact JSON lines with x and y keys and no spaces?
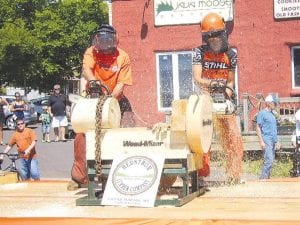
{"x":187,"y":190}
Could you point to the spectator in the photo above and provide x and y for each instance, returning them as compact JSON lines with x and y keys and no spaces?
{"x":267,"y":135}
{"x":18,"y":106}
{"x":58,"y":106}
{"x":46,"y":122}
{"x":3,"y":102}
{"x":25,"y":139}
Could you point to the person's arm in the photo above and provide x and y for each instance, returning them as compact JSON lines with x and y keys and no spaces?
{"x":25,"y":106}
{"x":197,"y":74}
{"x":88,"y":74}
{"x":30,"y":147}
{"x":88,"y":64}
{"x":197,"y":60}
{"x":68,"y":106}
{"x":230,"y":83}
{"x":118,"y":90}
{"x":7,"y":104}
{"x":124,"y":77}
{"x":11,"y":107}
{"x":5,"y":101}
{"x":259,"y":135}
{"x":49,"y":106}
{"x":33,"y":139}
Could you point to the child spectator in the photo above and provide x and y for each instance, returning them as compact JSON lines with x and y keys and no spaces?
{"x":46,"y":122}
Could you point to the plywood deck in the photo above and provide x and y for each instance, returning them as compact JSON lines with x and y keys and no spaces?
{"x":271,"y":202}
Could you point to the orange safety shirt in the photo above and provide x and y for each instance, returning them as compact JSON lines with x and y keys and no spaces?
{"x":214,"y":66}
{"x":23,"y":140}
{"x":109,"y":69}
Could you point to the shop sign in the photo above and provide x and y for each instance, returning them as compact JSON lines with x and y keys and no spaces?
{"x":284,"y":9}
{"x":178,"y":12}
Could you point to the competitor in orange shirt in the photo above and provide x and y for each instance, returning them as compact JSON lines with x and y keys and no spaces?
{"x":25,"y":138}
{"x":214,"y":60}
{"x":106,"y":62}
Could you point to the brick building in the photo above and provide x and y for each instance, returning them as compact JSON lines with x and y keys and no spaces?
{"x":264,"y":33}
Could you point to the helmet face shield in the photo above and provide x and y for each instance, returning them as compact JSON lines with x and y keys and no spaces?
{"x":105,"y":42}
{"x":217,"y":40}
{"x":213,"y":34}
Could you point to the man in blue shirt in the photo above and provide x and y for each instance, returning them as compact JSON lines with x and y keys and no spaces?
{"x":267,"y":135}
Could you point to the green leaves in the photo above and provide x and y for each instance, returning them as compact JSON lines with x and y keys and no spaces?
{"x":42,"y":41}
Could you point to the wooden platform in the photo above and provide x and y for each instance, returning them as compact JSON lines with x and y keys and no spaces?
{"x":8,"y":177}
{"x":270,"y":202}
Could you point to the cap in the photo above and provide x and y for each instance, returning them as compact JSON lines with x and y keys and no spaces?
{"x":269,"y":98}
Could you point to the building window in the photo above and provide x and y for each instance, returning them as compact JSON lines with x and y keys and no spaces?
{"x":296,"y":66}
{"x":174,"y":77}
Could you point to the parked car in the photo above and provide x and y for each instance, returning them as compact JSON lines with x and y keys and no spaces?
{"x":38,"y":103}
{"x":30,"y":116}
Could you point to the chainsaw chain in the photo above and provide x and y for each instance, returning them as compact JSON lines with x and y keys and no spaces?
{"x":99,"y":108}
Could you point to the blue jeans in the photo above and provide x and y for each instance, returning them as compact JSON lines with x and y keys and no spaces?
{"x":269,"y":156}
{"x":29,"y":168}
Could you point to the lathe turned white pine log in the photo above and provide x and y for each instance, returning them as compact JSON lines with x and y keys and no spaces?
{"x":199,"y":126}
{"x":84,"y":112}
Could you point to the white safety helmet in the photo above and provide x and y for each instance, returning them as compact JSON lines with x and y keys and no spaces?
{"x":271,"y":98}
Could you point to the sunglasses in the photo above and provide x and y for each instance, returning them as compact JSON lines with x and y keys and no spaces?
{"x":19,"y":124}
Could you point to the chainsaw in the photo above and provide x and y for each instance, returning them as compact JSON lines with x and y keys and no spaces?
{"x":222,"y":103}
{"x":95,"y":89}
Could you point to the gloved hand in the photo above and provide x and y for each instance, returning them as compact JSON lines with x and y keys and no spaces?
{"x":213,"y":83}
{"x":230,"y":107}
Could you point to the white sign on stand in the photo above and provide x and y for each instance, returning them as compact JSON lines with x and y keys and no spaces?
{"x":133,"y":180}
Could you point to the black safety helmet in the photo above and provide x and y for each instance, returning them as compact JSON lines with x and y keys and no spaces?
{"x":105,"y":39}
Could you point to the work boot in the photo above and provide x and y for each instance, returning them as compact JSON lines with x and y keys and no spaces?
{"x":72,"y":186}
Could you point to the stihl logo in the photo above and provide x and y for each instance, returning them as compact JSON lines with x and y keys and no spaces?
{"x":215,"y":65}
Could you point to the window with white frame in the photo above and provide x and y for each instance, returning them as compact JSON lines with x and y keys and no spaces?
{"x":295,"y":52}
{"x":174,"y":77}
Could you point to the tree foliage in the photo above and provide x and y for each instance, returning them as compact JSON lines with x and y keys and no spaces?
{"x":43,"y":41}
